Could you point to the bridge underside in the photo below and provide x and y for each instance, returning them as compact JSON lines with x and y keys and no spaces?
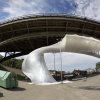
{"x":28,"y":33}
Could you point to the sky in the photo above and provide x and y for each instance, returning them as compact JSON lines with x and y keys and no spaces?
{"x":85,"y":8}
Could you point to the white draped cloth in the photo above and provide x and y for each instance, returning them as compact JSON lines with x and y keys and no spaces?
{"x":34,"y":65}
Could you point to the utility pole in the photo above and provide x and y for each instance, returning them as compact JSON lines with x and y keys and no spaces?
{"x":61,"y":63}
{"x":54,"y":63}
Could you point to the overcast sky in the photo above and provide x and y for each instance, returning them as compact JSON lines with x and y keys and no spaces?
{"x":85,"y":8}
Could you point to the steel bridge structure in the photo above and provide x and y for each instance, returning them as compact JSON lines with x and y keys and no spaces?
{"x":22,"y":35}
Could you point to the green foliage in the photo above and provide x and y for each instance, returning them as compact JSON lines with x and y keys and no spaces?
{"x":14,"y":63}
{"x":1,"y":56}
{"x":75,"y":71}
{"x":97,"y":65}
{"x":19,"y":63}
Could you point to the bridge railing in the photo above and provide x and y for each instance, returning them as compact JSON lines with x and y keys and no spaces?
{"x":48,"y":15}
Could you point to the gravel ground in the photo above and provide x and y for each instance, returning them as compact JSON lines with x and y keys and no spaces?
{"x":78,"y":90}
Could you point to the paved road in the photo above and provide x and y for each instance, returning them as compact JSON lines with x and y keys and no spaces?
{"x":78,"y":90}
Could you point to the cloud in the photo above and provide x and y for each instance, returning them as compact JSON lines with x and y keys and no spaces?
{"x":16,"y":8}
{"x":88,"y":8}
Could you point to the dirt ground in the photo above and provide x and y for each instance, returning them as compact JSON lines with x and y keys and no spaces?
{"x":88,"y":89}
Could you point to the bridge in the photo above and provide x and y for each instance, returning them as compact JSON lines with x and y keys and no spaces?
{"x":22,"y":35}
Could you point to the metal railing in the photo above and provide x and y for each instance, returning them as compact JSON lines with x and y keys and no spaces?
{"x":49,"y":15}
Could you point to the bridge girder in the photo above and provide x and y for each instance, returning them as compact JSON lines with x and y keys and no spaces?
{"x":28,"y":33}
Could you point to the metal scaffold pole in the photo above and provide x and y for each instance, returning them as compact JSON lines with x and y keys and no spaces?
{"x":61,"y":64}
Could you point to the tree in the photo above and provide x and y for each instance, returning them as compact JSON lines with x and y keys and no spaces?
{"x":14,"y":63}
{"x":19,"y":64}
{"x":1,"y":56}
{"x":98,"y":67}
